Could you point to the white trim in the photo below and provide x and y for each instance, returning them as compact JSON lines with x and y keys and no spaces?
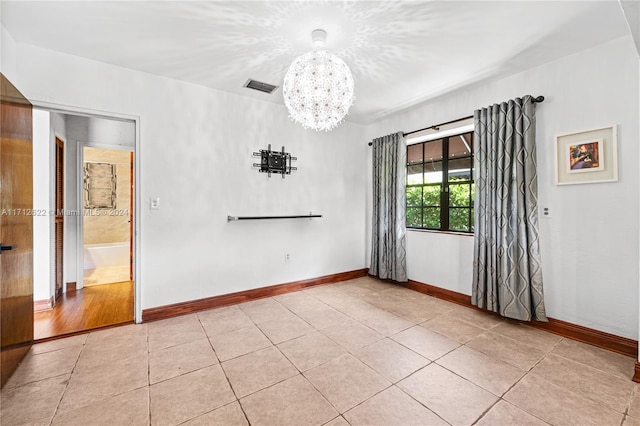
{"x":137,"y":246}
{"x":84,"y":112}
{"x":80,"y":218}
{"x":80,"y":199}
{"x":137,"y":240}
{"x":107,"y":146}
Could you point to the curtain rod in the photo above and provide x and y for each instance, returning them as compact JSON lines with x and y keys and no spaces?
{"x":538,"y":99}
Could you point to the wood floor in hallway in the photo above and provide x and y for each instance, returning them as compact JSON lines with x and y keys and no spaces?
{"x":86,"y":309}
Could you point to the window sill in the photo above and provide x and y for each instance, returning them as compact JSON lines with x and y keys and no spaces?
{"x":434,"y":231}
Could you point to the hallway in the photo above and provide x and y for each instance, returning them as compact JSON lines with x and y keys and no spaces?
{"x":86,"y":309}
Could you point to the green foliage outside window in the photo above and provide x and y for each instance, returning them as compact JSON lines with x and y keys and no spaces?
{"x":433,"y":202}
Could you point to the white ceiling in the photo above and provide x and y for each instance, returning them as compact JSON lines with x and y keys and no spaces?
{"x":400,"y":52}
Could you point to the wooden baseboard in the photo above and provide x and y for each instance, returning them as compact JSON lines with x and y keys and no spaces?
{"x":43,"y":305}
{"x":440,"y":293}
{"x":621,"y":345}
{"x":72,"y":287}
{"x":636,"y":374}
{"x":167,"y":311}
{"x":611,"y":342}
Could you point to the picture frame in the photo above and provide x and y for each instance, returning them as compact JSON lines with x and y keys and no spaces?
{"x":100,"y":185}
{"x":589,"y":156}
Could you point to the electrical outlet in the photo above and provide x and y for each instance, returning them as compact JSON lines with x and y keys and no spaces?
{"x":546,"y":212}
{"x":287,"y":257}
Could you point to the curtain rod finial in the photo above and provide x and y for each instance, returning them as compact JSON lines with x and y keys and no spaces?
{"x":538,"y":99}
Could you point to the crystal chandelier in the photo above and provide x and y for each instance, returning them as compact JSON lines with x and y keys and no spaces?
{"x":318,"y":88}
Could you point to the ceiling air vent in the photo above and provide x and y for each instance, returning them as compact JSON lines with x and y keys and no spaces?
{"x":260,"y":86}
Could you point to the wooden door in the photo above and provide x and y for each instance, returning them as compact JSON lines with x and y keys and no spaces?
{"x":59,"y":218}
{"x":16,"y":227}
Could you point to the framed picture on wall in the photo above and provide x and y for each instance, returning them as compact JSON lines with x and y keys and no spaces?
{"x":590,"y":156}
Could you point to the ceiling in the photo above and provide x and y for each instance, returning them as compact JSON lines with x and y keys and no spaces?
{"x":400,"y":52}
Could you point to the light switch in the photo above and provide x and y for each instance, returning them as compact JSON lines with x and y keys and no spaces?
{"x":154,"y":203}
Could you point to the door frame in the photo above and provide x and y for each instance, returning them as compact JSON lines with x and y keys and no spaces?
{"x":81,"y":145}
{"x":137,"y":190}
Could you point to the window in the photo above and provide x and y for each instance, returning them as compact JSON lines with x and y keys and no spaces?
{"x":440,"y":189}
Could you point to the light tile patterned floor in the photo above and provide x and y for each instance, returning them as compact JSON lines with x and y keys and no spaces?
{"x":361,"y":352}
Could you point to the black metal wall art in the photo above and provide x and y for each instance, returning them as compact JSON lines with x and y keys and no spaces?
{"x":274,"y":161}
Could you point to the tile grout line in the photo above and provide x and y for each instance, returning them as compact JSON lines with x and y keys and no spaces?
{"x":148,"y":379}
{"x":30,"y":382}
{"x":75,"y":364}
{"x":527,"y":372}
{"x":223,"y":372}
{"x":530,"y":371}
{"x":199,"y":369}
{"x":336,"y":417}
{"x":271,"y":344}
{"x":347,"y":314}
{"x":608,"y":373}
{"x":311,"y":383}
{"x":367,"y":399}
{"x":301,"y":373}
{"x":488,"y":333}
{"x":634,"y":393}
{"x":292,"y":313}
{"x":117,"y":393}
{"x":499,"y":397}
{"x":411,"y":396}
{"x":423,"y":356}
{"x":484,"y":413}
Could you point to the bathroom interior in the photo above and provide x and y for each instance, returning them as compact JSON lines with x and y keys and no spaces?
{"x":107,"y":192}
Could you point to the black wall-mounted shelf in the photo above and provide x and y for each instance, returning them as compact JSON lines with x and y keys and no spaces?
{"x":306,"y":216}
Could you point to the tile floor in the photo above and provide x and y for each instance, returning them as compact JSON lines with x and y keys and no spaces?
{"x":361,"y":352}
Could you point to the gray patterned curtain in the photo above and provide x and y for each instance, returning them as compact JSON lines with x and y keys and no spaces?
{"x":388,"y":249}
{"x":507,"y":277}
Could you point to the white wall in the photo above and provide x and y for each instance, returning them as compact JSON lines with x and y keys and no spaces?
{"x":196,"y":146}
{"x":42,"y":205}
{"x":101,"y":131}
{"x":589,"y":247}
{"x":7,"y":55}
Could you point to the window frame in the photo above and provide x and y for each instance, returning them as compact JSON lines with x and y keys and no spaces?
{"x":445,"y":185}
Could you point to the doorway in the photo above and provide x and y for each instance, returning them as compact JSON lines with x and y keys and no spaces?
{"x":108,"y":214}
{"x":87,"y":265}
